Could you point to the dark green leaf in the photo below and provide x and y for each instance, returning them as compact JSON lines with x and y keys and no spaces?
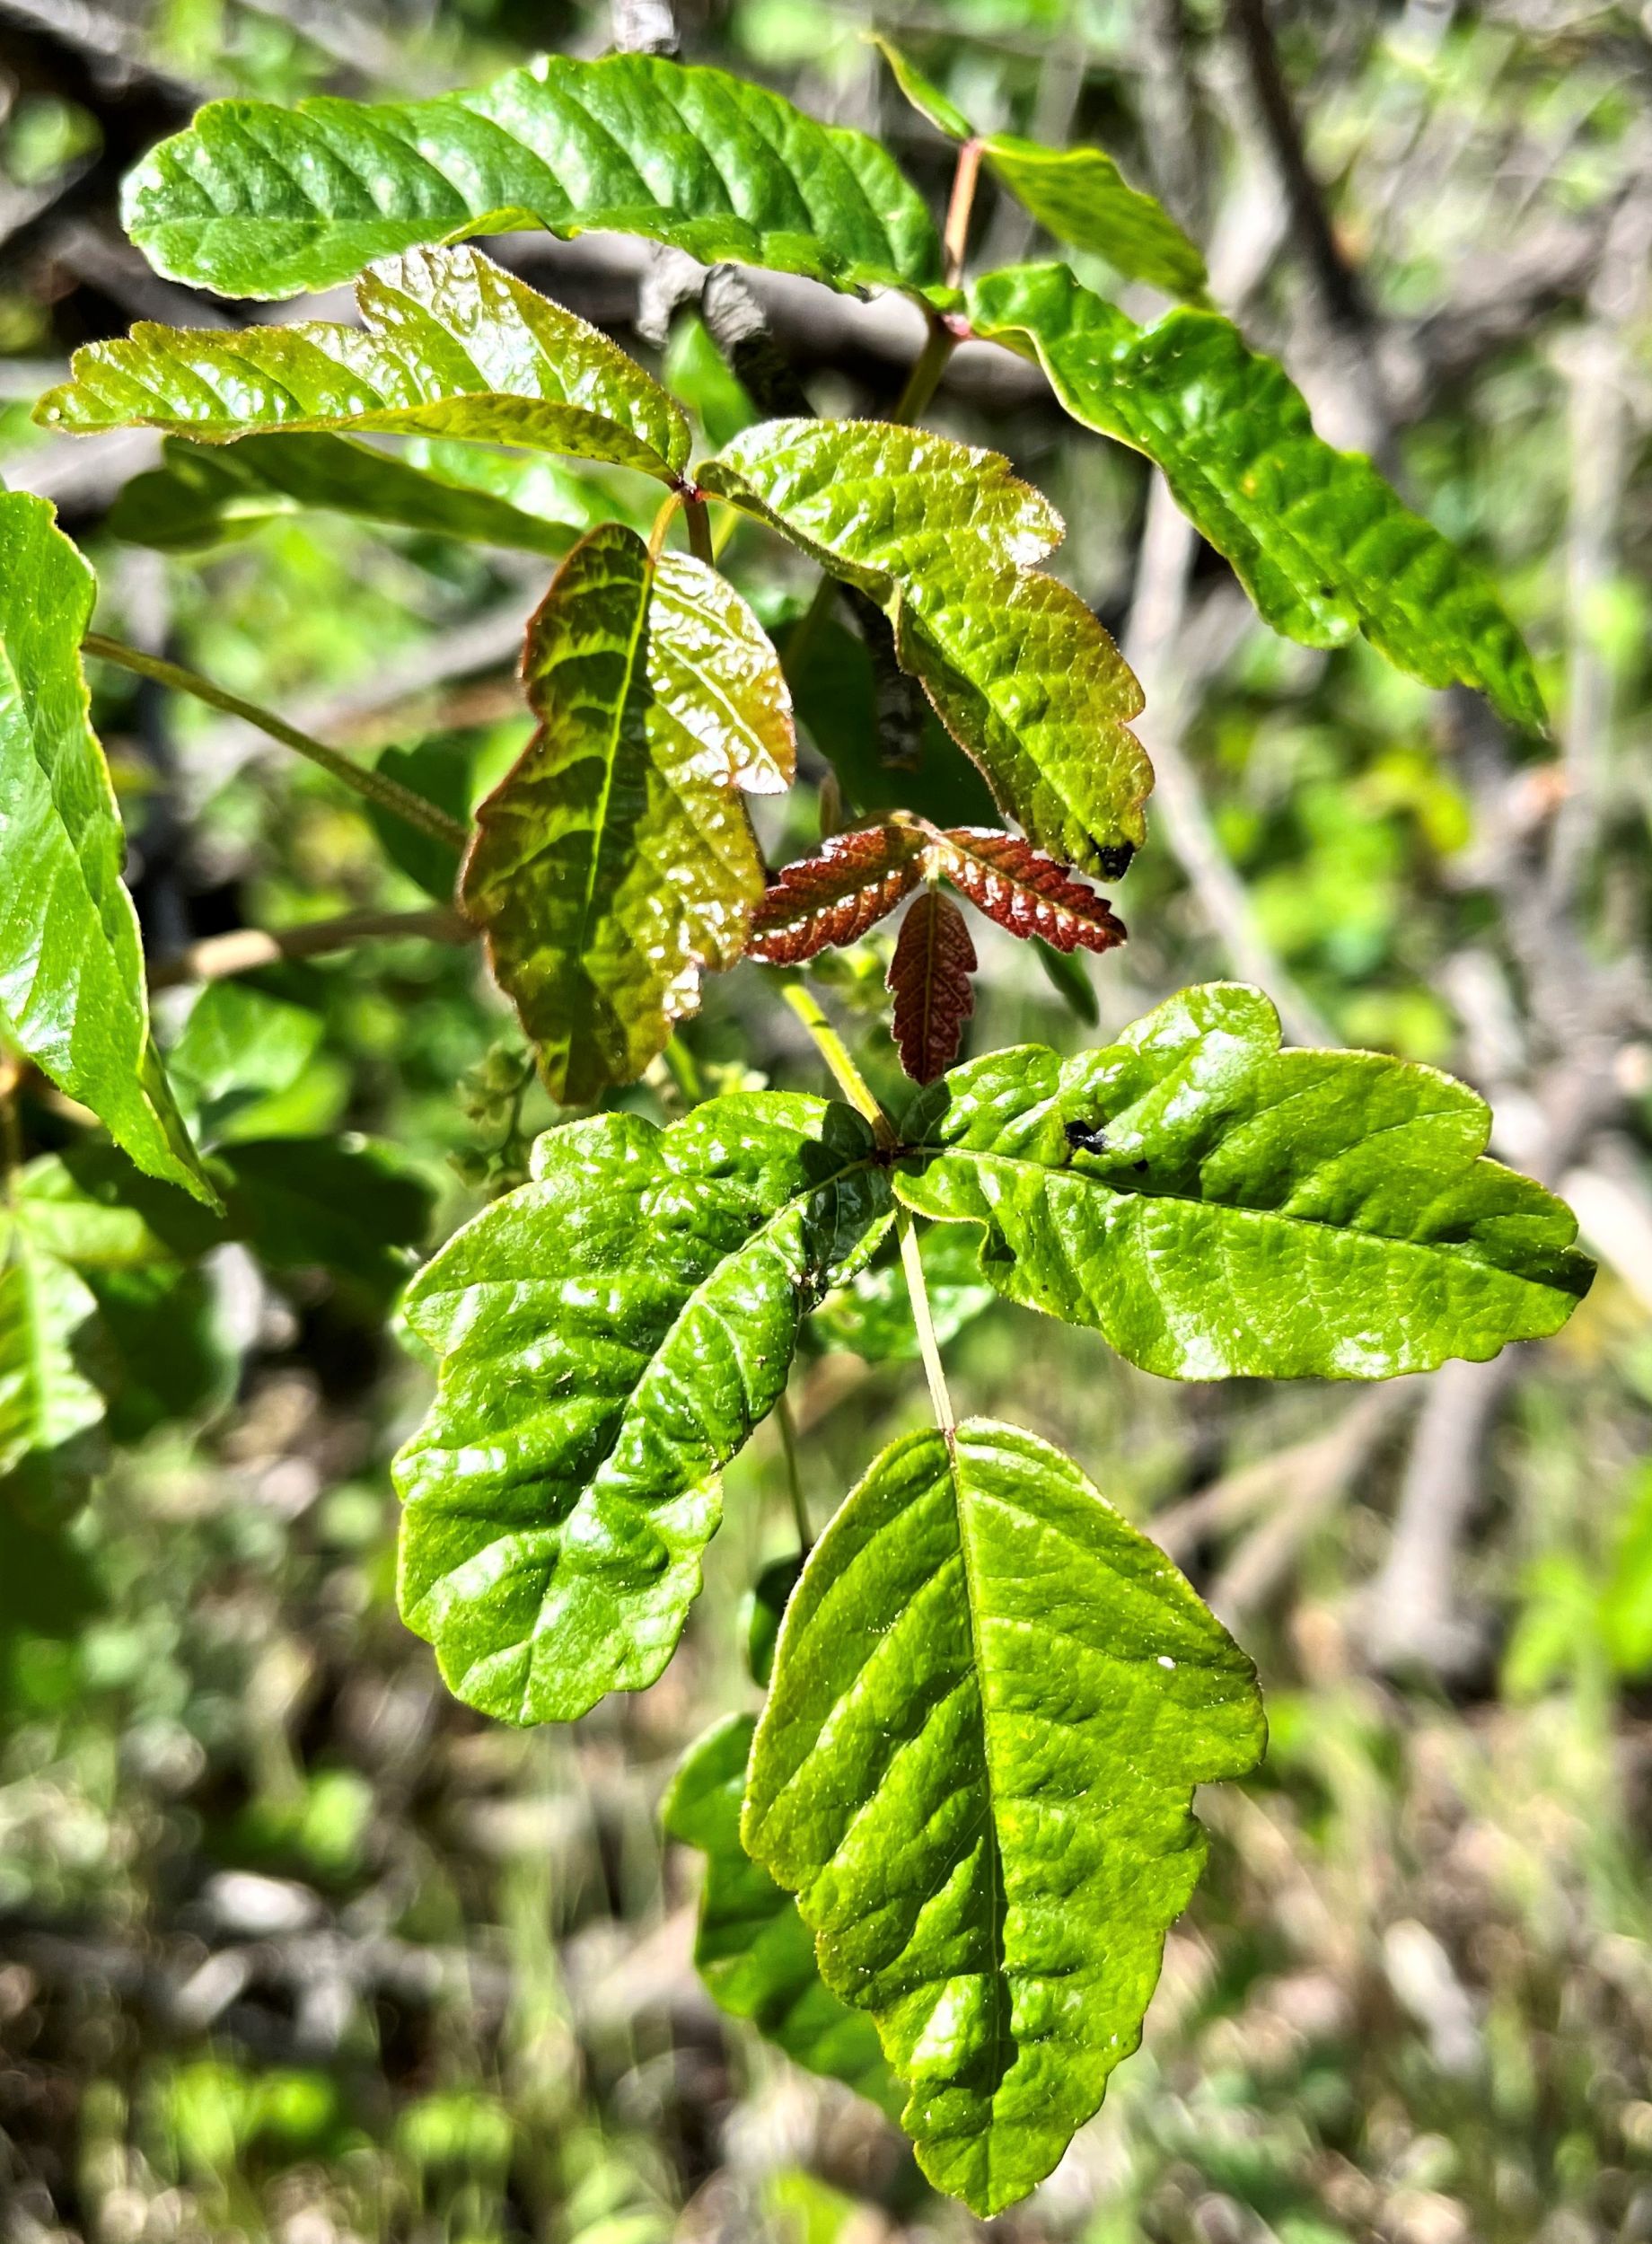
{"x":159,"y":1350}
{"x":1316,"y":536}
{"x":616,"y":861}
{"x":992,"y":1701}
{"x":833,"y":695}
{"x":1218,"y":1206}
{"x":697,"y":372}
{"x":200,"y":497}
{"x":257,"y":200}
{"x":608,"y":1335}
{"x":761,"y":1610}
{"x":441,"y":770}
{"x":451,"y":345}
{"x":751,"y":1948}
{"x":1069,"y":978}
{"x":344,"y":1205}
{"x":72,"y":991}
{"x":943,"y":537}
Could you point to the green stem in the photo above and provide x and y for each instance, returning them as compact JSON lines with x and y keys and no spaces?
{"x":401,"y":802}
{"x":794,"y":1473}
{"x":835,"y":1052}
{"x":925,"y":378}
{"x":929,"y":1347}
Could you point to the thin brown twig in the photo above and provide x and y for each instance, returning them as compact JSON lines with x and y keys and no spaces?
{"x":244,"y":950}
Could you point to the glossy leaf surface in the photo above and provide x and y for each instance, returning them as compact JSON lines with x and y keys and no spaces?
{"x":992,"y":1701}
{"x":752,"y":1949}
{"x":1023,"y":891}
{"x":1078,"y":194}
{"x":257,"y":200}
{"x":450,"y":345}
{"x":609,"y":1334}
{"x":943,"y":537}
{"x":616,"y":861}
{"x":73,"y":996}
{"x":833,"y":899}
{"x":1319,"y":540}
{"x":929,"y":977}
{"x":1218,"y":1206}
{"x":200,"y":497}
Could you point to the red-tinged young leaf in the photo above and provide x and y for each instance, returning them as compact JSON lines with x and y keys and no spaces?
{"x":1023,"y":889}
{"x":856,"y":880}
{"x":929,"y":975}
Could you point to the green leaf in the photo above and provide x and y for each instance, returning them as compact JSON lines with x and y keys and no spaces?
{"x":238,"y":1047}
{"x":944,"y":536}
{"x":697,"y":372}
{"x":1317,"y":538}
{"x":441,"y":770}
{"x":90,"y":1208}
{"x":344,"y":1205}
{"x":257,"y":200}
{"x":925,"y":96}
{"x":450,"y":345}
{"x":616,"y":861}
{"x":72,"y":991}
{"x":200,"y":497}
{"x":872,"y":1315}
{"x":761,"y":1611}
{"x":992,"y":1701}
{"x":1218,"y":1207}
{"x":1081,"y":195}
{"x":751,"y":1948}
{"x":608,"y":1335}
{"x":45,"y":1398}
{"x":159,"y":1349}
{"x":1078,"y":194}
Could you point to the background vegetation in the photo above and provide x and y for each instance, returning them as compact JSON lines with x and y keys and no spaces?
{"x":291,"y":1946}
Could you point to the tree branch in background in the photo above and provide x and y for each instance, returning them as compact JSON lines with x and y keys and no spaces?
{"x":245,"y":949}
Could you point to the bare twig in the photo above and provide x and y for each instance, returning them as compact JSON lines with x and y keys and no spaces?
{"x":245,"y":949}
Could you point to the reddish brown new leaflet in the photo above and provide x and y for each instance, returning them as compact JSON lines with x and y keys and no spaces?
{"x":835,"y":897}
{"x":929,"y":975}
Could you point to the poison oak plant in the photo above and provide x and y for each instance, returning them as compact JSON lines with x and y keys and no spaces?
{"x":942,"y":1861}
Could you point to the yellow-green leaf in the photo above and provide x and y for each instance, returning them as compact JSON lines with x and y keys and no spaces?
{"x":450,"y":345}
{"x":943,"y":537}
{"x":72,"y":997}
{"x":608,"y":1335}
{"x":1219,"y":1208}
{"x":992,"y":1700}
{"x":616,"y":862}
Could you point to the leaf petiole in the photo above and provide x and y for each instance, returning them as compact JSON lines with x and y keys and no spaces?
{"x":401,"y":801}
{"x":928,"y":1346}
{"x":835,"y":1052}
